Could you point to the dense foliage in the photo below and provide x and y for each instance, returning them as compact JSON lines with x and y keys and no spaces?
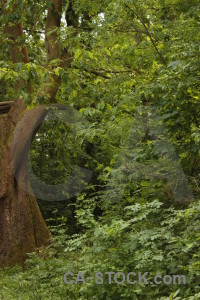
{"x":134,"y":84}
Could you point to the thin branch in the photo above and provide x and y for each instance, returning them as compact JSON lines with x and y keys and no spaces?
{"x":116,"y":29}
{"x":95,"y":72}
{"x":102,"y":72}
{"x":147,"y":31}
{"x":121,"y":71}
{"x":98,"y":73}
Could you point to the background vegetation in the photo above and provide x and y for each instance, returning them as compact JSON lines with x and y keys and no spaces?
{"x":135,"y":81}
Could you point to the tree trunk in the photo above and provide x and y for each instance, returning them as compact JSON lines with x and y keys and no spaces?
{"x":22,"y":227}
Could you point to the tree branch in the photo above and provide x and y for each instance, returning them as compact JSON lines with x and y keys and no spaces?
{"x":14,"y":31}
{"x":102,"y":72}
{"x":147,"y":31}
{"x":5,"y":107}
{"x":53,"y":48}
{"x":52,"y":23}
{"x":71,"y":16}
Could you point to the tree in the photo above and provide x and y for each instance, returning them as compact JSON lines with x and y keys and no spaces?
{"x":135,"y":78}
{"x":125,"y":55}
{"x":22,"y":227}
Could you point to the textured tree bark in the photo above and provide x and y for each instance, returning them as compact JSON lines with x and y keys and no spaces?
{"x":22,"y":227}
